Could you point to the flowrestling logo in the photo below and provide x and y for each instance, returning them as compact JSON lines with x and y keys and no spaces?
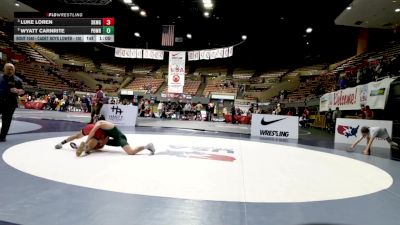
{"x":347,"y":131}
{"x":273,"y":133}
{"x":196,"y":152}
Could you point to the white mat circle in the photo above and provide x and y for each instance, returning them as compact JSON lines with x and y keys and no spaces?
{"x":202,"y":168}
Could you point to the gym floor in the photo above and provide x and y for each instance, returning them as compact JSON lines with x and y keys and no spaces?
{"x":202,"y":173}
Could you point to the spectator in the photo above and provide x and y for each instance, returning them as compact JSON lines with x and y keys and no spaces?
{"x":289,"y":113}
{"x":362,"y":112}
{"x":178,"y":111}
{"x":278,"y":109}
{"x":329,"y":120}
{"x":336,"y":114}
{"x":224,"y":111}
{"x":97,"y":102}
{"x":305,"y":118}
{"x":233,"y":113}
{"x":198,"y":108}
{"x":251,"y":109}
{"x":282,"y":96}
{"x":369,"y":114}
{"x":343,"y":82}
{"x":160,"y":108}
{"x":141,"y":108}
{"x":359,"y":74}
{"x":10,"y":89}
{"x":210,"y":111}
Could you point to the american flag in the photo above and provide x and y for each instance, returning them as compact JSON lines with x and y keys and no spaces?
{"x":168,"y":35}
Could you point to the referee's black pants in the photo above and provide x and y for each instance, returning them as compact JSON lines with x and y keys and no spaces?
{"x":6,"y":117}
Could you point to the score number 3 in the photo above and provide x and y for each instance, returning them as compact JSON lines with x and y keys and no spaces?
{"x":108,"y":21}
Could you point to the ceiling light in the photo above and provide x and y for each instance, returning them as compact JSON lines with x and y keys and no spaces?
{"x":189,"y":36}
{"x":128,"y":1}
{"x":397,"y":10}
{"x":17,"y":4}
{"x":206,"y":14}
{"x":208,"y":5}
{"x":244,"y":37}
{"x":308,"y":43}
{"x":206,"y":1}
{"x":135,"y":8}
{"x":348,"y":8}
{"x":309,"y":30}
{"x":136,"y":34}
{"x":143,"y":13}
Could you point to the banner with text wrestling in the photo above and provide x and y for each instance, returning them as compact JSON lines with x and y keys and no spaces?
{"x":176,"y":72}
{"x":374,"y":94}
{"x":275,"y":126}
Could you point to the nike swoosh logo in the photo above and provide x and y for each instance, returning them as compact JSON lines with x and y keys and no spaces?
{"x":263,"y":122}
{"x":175,"y":54}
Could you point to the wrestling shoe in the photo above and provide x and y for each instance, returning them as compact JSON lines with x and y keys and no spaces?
{"x":73,"y":145}
{"x":58,"y":146}
{"x":394,"y":145}
{"x":80,"y":149}
{"x":151,"y":148}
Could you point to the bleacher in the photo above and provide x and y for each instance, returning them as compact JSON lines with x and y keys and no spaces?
{"x":112,"y":68}
{"x":163,"y":69}
{"x":20,"y":51}
{"x":190,"y":88}
{"x":143,"y":68}
{"x":370,"y":58}
{"x":31,"y":53}
{"x":242,"y":74}
{"x":273,"y":76}
{"x":311,"y":70}
{"x":219,"y":87}
{"x":318,"y":75}
{"x":8,"y":48}
{"x":308,"y":87}
{"x":30,"y":73}
{"x":109,"y":83}
{"x":212,"y":71}
{"x":72,"y":82}
{"x":45,"y":51}
{"x":78,"y":59}
{"x":147,"y":84}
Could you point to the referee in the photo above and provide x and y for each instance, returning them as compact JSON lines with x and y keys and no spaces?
{"x":10,"y":89}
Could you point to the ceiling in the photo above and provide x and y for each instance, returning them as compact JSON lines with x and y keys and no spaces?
{"x":371,"y":14}
{"x":7,"y":8}
{"x":275,"y":29}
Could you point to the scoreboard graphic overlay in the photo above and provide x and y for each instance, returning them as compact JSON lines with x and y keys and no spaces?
{"x":62,"y":27}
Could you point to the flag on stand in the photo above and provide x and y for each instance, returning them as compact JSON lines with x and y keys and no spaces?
{"x":167,"y":38}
